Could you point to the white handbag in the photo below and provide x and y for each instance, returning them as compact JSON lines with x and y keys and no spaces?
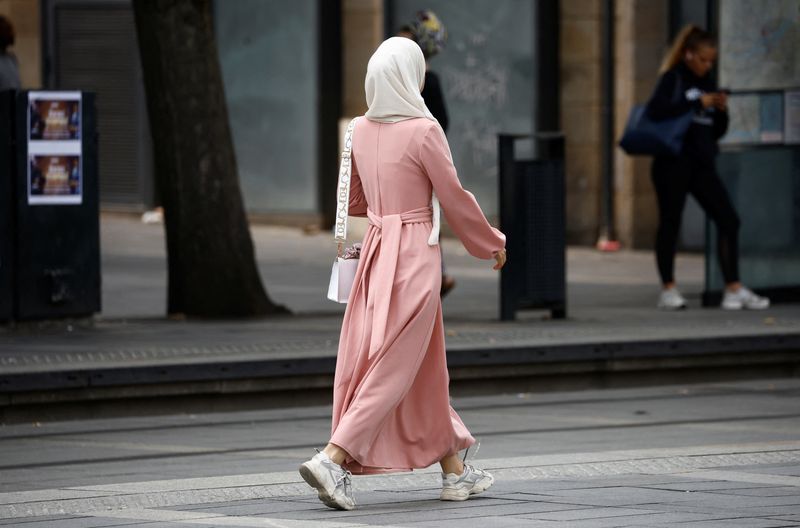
{"x":344,"y":268}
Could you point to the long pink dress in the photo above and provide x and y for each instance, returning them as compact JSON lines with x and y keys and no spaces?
{"x":391,"y":403}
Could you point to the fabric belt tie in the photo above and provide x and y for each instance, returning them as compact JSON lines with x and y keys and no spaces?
{"x":386,"y":265}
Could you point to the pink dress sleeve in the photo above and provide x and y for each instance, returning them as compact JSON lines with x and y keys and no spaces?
{"x":358,"y":202}
{"x":462,"y":211}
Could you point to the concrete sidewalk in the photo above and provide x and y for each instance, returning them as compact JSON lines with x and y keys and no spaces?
{"x":704,"y":456}
{"x":752,"y":486}
{"x":612,"y":318}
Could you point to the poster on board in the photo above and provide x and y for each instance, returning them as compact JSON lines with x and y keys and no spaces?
{"x":56,"y":116}
{"x":54,"y":179}
{"x":54,"y":148}
{"x":759,"y":43}
{"x":756,"y":118}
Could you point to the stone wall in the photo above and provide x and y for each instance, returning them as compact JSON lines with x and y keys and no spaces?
{"x":640,"y":40}
{"x":24,"y":14}
{"x":362,"y":33}
{"x":580,"y":116}
{"x":641,"y":36}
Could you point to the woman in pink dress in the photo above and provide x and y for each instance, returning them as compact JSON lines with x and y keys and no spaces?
{"x":391,"y":403}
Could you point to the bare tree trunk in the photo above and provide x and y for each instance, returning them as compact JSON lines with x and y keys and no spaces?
{"x":212,"y":270}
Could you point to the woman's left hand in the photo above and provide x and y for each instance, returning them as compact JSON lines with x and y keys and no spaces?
{"x":500,"y":259}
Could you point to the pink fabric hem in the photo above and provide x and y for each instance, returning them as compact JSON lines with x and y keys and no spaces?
{"x":355,"y":467}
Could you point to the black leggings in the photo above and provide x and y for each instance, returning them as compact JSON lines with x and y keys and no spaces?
{"x":674,"y":178}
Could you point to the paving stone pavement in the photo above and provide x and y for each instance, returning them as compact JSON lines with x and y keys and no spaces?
{"x":611,"y":298}
{"x":711,"y":455}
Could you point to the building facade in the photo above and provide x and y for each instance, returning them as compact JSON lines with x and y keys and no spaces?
{"x":294,"y":71}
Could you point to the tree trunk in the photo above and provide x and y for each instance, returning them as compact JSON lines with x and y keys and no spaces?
{"x":212,"y":270}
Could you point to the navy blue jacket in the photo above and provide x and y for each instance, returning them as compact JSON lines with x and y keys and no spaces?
{"x":678,"y":91}
{"x":434,"y":99}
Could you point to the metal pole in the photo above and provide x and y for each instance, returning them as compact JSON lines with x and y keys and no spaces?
{"x":389,"y":21}
{"x":607,"y":240}
{"x":712,"y":16}
{"x":546,"y":46}
{"x":329,"y":96}
{"x":710,"y":297}
{"x":674,"y":19}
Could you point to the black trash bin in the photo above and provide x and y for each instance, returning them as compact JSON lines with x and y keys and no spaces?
{"x":55,"y":211}
{"x":532,"y":215}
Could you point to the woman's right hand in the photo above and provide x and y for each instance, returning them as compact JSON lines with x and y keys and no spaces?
{"x":718,"y":99}
{"x":500,"y":259}
{"x":722,"y":101}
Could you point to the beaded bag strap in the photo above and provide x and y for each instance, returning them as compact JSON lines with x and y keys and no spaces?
{"x":343,"y":188}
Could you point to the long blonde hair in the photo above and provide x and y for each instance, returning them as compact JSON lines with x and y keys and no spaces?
{"x":690,"y":38}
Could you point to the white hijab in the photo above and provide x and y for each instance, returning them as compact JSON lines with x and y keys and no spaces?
{"x":395,"y":75}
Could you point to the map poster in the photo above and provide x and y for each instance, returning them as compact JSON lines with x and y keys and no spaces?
{"x":54,"y":179}
{"x":791,"y":110}
{"x":771,"y":117}
{"x":745,"y":120}
{"x":759,"y":42}
{"x":756,"y":118}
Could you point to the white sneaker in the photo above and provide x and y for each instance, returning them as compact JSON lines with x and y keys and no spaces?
{"x":743,"y":298}
{"x":471,"y":482}
{"x":671,"y":299}
{"x":331,"y":481}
